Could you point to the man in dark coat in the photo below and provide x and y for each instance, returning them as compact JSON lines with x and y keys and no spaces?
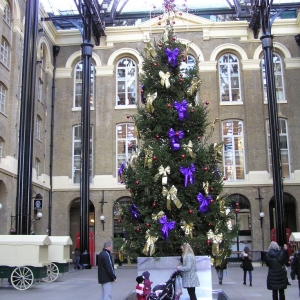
{"x":276,"y":279}
{"x":106,"y":271}
{"x":296,"y":268}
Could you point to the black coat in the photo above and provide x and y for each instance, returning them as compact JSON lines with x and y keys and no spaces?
{"x":247,"y":263}
{"x":106,"y":270}
{"x":277,"y":277}
{"x":296,"y":266}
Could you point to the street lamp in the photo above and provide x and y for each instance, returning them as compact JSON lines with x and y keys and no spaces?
{"x":102,"y":219}
{"x":261,"y":216}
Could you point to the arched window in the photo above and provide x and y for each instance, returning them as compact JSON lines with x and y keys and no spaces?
{"x":5,"y":52}
{"x":278,"y":74}
{"x":2,"y":97}
{"x":126,"y":82}
{"x":78,"y":72}
{"x":76,"y":157}
{"x":233,"y":138}
{"x":229,"y":79}
{"x":284,"y":148}
{"x":7,"y":14}
{"x":38,"y":127}
{"x":126,"y":143}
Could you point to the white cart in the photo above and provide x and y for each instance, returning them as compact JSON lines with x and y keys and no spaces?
{"x":24,"y":259}
{"x":59,"y":256}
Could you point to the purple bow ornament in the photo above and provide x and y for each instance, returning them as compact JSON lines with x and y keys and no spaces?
{"x":182,"y":110}
{"x":175,"y":137}
{"x":188,"y":174}
{"x":166,"y":226}
{"x":204,"y":203}
{"x":120,"y":172}
{"x":172,"y":56}
{"x":134,"y":211}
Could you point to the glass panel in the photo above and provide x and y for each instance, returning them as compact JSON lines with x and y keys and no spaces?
{"x":121,"y":147}
{"x":121,"y":129}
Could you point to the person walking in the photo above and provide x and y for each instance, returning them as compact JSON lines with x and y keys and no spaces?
{"x":106,"y":271}
{"x":295,"y":268}
{"x":220,"y":266}
{"x":188,"y":270}
{"x":247,"y":264}
{"x":276,"y":278}
{"x":287,"y":261}
{"x":76,"y":260}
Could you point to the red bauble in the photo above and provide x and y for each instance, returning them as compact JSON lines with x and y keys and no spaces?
{"x":147,"y":224}
{"x":155,"y":64}
{"x":236,"y":210}
{"x":127,"y":116}
{"x":154,"y":204}
{"x":159,"y":45}
{"x":211,"y":201}
{"x":137,"y":182}
{"x":211,"y":188}
{"x":174,"y":38}
{"x":224,"y":178}
{"x":142,"y":91}
{"x":137,"y":229}
{"x":191,"y":111}
{"x":168,"y":105}
{"x":182,"y":156}
{"x":208,"y":224}
{"x":208,"y":242}
{"x":184,"y":58}
{"x":206,"y":102}
{"x":154,"y":157}
{"x":205,"y":169}
{"x":177,"y":133}
{"x":190,"y":211}
{"x":181,"y":79}
{"x":157,"y":136}
{"x":237,"y":204}
{"x":119,"y":221}
{"x":199,"y":138}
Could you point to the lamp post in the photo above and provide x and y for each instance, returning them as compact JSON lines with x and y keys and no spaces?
{"x":261,"y":217}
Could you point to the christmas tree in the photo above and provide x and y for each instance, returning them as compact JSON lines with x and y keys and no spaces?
{"x":173,"y":177}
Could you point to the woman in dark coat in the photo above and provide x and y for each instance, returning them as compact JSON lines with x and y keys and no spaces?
{"x":276,"y":279}
{"x":247,"y":264}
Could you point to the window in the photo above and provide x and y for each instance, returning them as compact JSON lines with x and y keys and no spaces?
{"x":1,"y":148}
{"x":7,"y":15}
{"x":229,"y":79}
{"x":187,"y":65}
{"x":37,"y":168}
{"x":126,"y":82}
{"x":2,"y":97}
{"x":233,"y":138}
{"x":40,"y":90}
{"x":5,"y":52}
{"x":126,"y":143}
{"x":284,"y":148}
{"x":38,"y":127}
{"x":278,"y":75}
{"x":76,"y":162}
{"x":78,"y":85}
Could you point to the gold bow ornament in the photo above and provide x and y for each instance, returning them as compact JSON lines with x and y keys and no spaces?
{"x":218,"y":152}
{"x":149,"y":247}
{"x":195,"y":84}
{"x":171,"y":195}
{"x":164,"y":79}
{"x":156,"y":217}
{"x":149,"y":104}
{"x":163,"y":172}
{"x":148,"y":157}
{"x":149,"y":49}
{"x":205,"y":187}
{"x":216,"y":238}
{"x":189,"y":149}
{"x":188,"y":228}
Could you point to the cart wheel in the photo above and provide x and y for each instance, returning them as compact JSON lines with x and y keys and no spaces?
{"x":52,"y":273}
{"x":22,"y":278}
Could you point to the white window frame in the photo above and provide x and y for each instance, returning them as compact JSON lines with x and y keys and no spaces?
{"x":228,"y":80}
{"x":284,"y":151}
{"x":3,"y":91}
{"x":278,"y":76}
{"x":37,"y":168}
{"x":233,"y":148}
{"x":5,"y":52}
{"x":40,"y":90}
{"x":7,"y":15}
{"x":76,"y":153}
{"x":125,"y":135}
{"x":38,"y":127}
{"x":77,"y":94}
{"x":126,"y":83}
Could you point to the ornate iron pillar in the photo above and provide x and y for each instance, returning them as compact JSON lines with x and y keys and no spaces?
{"x":86,"y":48}
{"x":267,"y":45}
{"x":26,"y":127}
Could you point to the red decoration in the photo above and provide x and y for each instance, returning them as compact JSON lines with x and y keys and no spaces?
{"x":168,"y":105}
{"x":137,"y":182}
{"x":177,"y":133}
{"x":206,"y":102}
{"x":147,"y":224}
{"x":127,"y":116}
{"x":157,"y":136}
{"x":182,"y":156}
{"x":119,"y":221}
{"x":154,"y":204}
{"x":205,"y":169}
{"x":159,"y":45}
{"x":155,"y":64}
{"x":211,"y":188}
{"x":208,"y":242}
{"x":211,"y":201}
{"x":237,"y":210}
{"x":181,"y":79}
{"x":199,"y":138}
{"x":174,"y":38}
{"x":190,"y":211}
{"x":137,"y":229}
{"x":224,"y":178}
{"x":184,"y":58}
{"x":130,"y":146}
{"x":154,"y":157}
{"x":191,"y":111}
{"x":208,"y":224}
{"x":142,"y":91}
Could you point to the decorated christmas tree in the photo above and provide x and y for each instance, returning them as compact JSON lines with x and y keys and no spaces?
{"x":174,"y":176}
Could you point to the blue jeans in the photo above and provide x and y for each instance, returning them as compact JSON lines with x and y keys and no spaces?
{"x":77,"y":263}
{"x":250,"y":276}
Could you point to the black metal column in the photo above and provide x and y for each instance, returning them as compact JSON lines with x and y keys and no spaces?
{"x":26,"y":128}
{"x":55,"y":50}
{"x":87,"y":48}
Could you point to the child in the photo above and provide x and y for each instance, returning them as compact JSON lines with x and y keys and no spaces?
{"x":140,"y":288}
{"x":147,"y":283}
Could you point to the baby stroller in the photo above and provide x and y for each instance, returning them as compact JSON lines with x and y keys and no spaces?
{"x":165,"y":290}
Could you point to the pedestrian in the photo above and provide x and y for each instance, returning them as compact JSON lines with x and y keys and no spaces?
{"x":188,"y":270}
{"x":147,"y":283}
{"x":286,"y":263}
{"x":296,"y":268}
{"x":220,"y":266}
{"x":276,"y":278}
{"x":106,"y":271}
{"x":247,"y":264}
{"x":140,"y":288}
{"x":76,"y":259}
